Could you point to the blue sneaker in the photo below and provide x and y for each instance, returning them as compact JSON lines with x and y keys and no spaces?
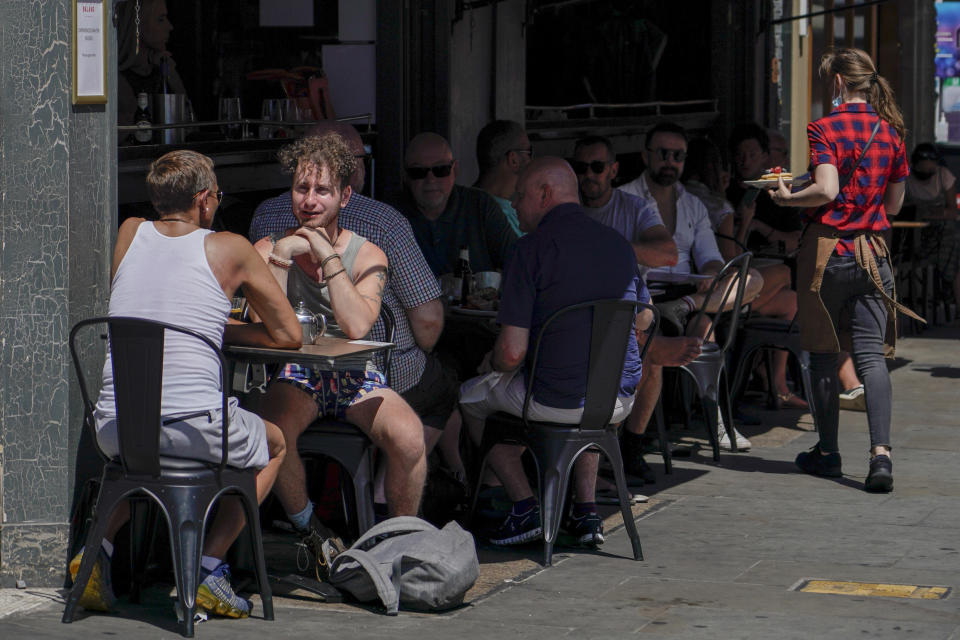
{"x":98,"y":594}
{"x":519,"y":528}
{"x":216,"y":595}
{"x":585,"y":530}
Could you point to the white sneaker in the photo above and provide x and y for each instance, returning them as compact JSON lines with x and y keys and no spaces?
{"x":853,"y":400}
{"x":742,"y":443}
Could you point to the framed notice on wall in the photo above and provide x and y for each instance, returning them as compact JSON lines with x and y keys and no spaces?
{"x":89,"y":52}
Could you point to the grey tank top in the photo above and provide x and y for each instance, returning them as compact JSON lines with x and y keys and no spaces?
{"x":314,"y":294}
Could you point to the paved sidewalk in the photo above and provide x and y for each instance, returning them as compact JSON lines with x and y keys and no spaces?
{"x":724,"y":543}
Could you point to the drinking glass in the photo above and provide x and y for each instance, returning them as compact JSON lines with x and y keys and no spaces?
{"x":271,"y":111}
{"x":291,"y":113}
{"x":230,"y":110}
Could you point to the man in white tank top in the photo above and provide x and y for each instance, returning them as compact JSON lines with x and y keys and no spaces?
{"x":175,"y":270}
{"x":346,"y":276}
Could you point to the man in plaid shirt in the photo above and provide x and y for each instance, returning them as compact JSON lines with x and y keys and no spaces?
{"x":412,"y":293}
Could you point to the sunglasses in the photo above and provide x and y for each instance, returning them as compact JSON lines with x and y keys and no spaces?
{"x":927,"y":156}
{"x":679,"y":155}
{"x":218,"y":194}
{"x":580,"y":167}
{"x":438,"y":171}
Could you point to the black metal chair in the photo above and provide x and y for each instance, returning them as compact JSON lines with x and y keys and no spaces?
{"x":555,"y":447}
{"x":185,"y":489}
{"x":757,"y":333}
{"x":348,"y":446}
{"x":709,"y":370}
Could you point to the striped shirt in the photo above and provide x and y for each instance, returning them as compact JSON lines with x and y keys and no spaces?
{"x":410,"y":282}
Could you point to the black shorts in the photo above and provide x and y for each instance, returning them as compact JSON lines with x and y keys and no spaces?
{"x":434,"y":397}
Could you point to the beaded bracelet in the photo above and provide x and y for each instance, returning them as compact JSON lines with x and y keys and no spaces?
{"x":278,"y":261}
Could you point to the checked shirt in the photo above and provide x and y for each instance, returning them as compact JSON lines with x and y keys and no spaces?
{"x":410,"y":282}
{"x":838,"y":139}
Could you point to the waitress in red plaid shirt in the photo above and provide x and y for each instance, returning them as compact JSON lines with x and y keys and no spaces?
{"x":845,"y":286}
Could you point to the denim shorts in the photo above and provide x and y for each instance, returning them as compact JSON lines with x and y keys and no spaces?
{"x":333,"y":391}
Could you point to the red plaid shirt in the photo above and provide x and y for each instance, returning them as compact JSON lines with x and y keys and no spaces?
{"x":838,"y":139}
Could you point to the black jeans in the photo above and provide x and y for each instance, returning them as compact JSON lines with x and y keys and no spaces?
{"x":854,"y":303}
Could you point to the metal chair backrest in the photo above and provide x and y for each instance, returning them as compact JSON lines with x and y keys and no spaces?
{"x":389,"y":332}
{"x":136,"y":351}
{"x":611,"y":327}
{"x":738,"y":267}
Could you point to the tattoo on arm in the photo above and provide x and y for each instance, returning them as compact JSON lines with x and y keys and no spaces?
{"x":381,"y":283}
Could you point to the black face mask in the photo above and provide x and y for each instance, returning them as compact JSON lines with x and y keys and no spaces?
{"x":923,"y":175}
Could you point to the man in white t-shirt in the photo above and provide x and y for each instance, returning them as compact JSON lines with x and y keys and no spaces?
{"x":685,"y":216}
{"x":596,"y":166}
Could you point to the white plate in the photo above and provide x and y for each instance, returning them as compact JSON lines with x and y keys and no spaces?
{"x":482,"y":313}
{"x":767,"y":184}
{"x":655,"y":275}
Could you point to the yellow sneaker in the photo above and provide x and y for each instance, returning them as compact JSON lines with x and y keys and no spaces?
{"x":98,"y":594}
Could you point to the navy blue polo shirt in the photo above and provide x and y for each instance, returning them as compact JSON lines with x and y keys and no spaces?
{"x":569,"y":259}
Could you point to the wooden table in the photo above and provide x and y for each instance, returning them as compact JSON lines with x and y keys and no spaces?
{"x":327,"y":352}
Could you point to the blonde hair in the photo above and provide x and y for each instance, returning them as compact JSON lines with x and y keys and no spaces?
{"x":176,"y":177}
{"x":860,"y":76}
{"x":328,"y":150}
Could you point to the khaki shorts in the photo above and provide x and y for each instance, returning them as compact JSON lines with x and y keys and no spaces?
{"x":497,"y":391}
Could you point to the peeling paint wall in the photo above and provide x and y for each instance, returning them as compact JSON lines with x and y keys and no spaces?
{"x":57,"y":163}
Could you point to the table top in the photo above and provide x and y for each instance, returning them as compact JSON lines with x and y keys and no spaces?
{"x":909,"y":224}
{"x":326,"y":350}
{"x":656,"y":275}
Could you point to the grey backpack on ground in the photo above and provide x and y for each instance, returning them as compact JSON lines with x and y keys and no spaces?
{"x":408,"y":562}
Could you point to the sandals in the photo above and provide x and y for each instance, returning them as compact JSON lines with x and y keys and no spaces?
{"x":790,"y":400}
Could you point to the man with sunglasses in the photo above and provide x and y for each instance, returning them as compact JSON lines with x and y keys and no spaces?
{"x":503,"y":151}
{"x":596,"y":167}
{"x":446,"y":216}
{"x":686,"y":218}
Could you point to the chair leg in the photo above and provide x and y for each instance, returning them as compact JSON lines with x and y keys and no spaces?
{"x":363,"y":493}
{"x":616,"y":460}
{"x":143,"y":530}
{"x":662,"y":436}
{"x":725,"y":406}
{"x":771,"y":387}
{"x":186,"y":518}
{"x":553,"y":489}
{"x":108,"y":501}
{"x":256,"y":536}
{"x":711,"y":414}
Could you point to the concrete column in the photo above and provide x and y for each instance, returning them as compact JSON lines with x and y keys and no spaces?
{"x":57,"y":180}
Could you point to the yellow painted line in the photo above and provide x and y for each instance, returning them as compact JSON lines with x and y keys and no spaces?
{"x":838,"y":587}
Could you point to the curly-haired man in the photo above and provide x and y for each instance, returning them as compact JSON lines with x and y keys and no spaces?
{"x":341,"y":275}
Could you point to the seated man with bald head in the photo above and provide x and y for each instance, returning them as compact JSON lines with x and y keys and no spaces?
{"x":446,"y":216}
{"x":566,"y":258}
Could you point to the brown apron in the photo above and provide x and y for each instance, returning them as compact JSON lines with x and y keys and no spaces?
{"x":817,"y":331}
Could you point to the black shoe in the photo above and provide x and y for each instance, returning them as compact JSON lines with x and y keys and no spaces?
{"x":636,"y":466}
{"x":310,"y":548}
{"x":880,"y":477}
{"x":817,"y":463}
{"x":584,"y":531}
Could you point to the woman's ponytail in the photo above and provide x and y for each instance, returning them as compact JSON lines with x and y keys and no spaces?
{"x":860,"y":75}
{"x":883,"y":102}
